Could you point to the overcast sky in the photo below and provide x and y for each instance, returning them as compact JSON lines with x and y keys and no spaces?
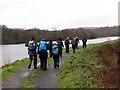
{"x":46,"y":14}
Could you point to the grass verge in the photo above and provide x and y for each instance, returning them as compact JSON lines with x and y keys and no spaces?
{"x":83,"y":69}
{"x":8,"y":70}
{"x":32,"y":79}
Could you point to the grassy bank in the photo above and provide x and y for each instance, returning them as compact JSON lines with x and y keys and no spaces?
{"x":93,"y":67}
{"x":12,"y":68}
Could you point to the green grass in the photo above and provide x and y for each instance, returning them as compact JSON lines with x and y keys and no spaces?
{"x":32,"y":79}
{"x":8,"y":70}
{"x":78,"y":71}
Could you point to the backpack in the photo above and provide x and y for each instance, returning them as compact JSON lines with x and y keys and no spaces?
{"x":31,"y":45}
{"x":59,"y":43}
{"x":42,"y":46}
{"x":66,"y":42}
{"x":55,"y":50}
{"x":73,"y":42}
{"x":49,"y":46}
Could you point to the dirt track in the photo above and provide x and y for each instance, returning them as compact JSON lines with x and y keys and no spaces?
{"x":48,"y":78}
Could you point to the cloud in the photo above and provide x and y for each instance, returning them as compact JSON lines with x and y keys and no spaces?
{"x":58,"y":13}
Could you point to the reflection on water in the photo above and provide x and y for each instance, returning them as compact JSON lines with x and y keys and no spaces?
{"x":11,"y":53}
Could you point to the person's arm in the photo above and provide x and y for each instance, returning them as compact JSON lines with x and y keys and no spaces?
{"x":26,"y":44}
{"x":47,"y":46}
{"x":68,"y":42}
{"x":62,"y":44}
{"x":65,"y":42}
{"x":36,"y":44}
{"x":38,"y":48}
{"x":59,"y":50}
{"x":78,"y":40}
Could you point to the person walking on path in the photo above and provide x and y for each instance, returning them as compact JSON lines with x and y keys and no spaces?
{"x":32,"y":46}
{"x":76,"y":41}
{"x":60,"y":44}
{"x":84,"y":40}
{"x":50,"y":48}
{"x":73,"y":44}
{"x":67,"y":42}
{"x":43,"y":54}
{"x":55,"y":52}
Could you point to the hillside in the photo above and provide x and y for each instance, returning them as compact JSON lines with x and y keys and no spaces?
{"x":93,"y":67}
{"x":106,"y":31}
{"x":15,"y":36}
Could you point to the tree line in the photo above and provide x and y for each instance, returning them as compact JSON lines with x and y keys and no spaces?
{"x":19,"y":35}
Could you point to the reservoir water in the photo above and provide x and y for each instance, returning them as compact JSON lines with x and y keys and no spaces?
{"x":11,"y":53}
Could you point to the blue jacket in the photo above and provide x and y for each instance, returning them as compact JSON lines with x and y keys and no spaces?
{"x":60,"y":43}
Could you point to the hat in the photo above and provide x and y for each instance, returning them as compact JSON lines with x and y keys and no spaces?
{"x":67,"y":37}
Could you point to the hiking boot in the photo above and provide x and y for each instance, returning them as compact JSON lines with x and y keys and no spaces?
{"x":29,"y":67}
{"x":54,"y":66}
{"x":57,"y":66}
{"x":45,"y":69}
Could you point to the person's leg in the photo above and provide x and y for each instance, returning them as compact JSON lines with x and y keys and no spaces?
{"x":68,"y":48}
{"x":41,"y":61}
{"x":45,"y":60}
{"x":85,"y":45}
{"x":57,"y":61}
{"x":45,"y":64}
{"x":54,"y":59}
{"x":61,"y":51}
{"x":45,"y":68}
{"x":35,"y":61}
{"x":50,"y":53}
{"x":76,"y":45}
{"x":74,"y":48}
{"x":30,"y":57}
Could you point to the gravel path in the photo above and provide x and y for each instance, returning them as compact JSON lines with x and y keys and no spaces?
{"x":48,"y":78}
{"x":16,"y":79}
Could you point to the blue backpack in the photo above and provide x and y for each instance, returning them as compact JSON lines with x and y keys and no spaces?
{"x":55,"y":49}
{"x":42,"y":47}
